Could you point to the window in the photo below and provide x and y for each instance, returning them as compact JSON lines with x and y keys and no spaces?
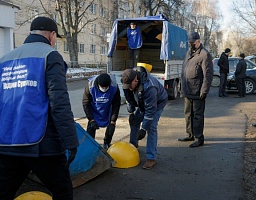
{"x":93,"y":9}
{"x":93,"y":28}
{"x":81,"y":48}
{"x":92,"y":49}
{"x":103,"y":31}
{"x":33,"y":13}
{"x":102,"y":12}
{"x":66,"y":47}
{"x":103,"y":50}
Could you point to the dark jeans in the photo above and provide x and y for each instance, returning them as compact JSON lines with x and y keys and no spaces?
{"x":240,"y":86}
{"x":194,"y":116}
{"x":133,"y":57}
{"x":50,"y":170}
{"x":223,"y":83}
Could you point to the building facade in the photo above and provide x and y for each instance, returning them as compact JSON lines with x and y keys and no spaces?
{"x":95,"y":25}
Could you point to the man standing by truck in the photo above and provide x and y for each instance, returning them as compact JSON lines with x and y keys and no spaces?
{"x":224,"y":70}
{"x":134,"y":44}
{"x":196,"y":78}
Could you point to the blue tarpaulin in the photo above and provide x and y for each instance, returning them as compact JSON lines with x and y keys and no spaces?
{"x":174,"y":40}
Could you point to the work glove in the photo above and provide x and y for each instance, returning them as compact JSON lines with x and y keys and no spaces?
{"x":202,"y":96}
{"x":141,"y":134}
{"x":132,"y":119}
{"x":94,"y":125}
{"x":71,"y":156}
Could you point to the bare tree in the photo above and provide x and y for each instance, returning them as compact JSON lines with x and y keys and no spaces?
{"x":165,"y":7}
{"x":246,"y":14}
{"x":73,"y":16}
{"x":205,"y":15}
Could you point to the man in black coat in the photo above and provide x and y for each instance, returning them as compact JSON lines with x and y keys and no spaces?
{"x":240,"y":74}
{"x":224,"y":70}
{"x":37,"y":127}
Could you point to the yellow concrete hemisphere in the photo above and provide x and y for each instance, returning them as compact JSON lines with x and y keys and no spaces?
{"x":34,"y":195}
{"x":125,"y":154}
{"x":145,"y":65}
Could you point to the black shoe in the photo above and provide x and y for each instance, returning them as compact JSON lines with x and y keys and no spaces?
{"x":220,"y":95}
{"x":106,"y":146}
{"x":225,"y":95}
{"x":197,"y":143}
{"x":237,"y":96}
{"x":186,"y":139}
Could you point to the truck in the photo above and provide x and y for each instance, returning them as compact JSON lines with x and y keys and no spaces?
{"x":164,"y":47}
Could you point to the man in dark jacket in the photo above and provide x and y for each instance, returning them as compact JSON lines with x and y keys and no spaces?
{"x":37,"y":126}
{"x":101,"y":103}
{"x":196,"y":78}
{"x":240,"y":75}
{"x":224,"y":70}
{"x":146,"y":99}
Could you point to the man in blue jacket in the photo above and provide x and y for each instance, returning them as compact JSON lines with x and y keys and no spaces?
{"x":134,"y":44}
{"x":37,"y":126}
{"x":146,"y":99}
{"x":101,"y":103}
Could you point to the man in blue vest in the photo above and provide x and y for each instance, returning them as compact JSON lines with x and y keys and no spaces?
{"x":134,"y":44}
{"x":101,"y":103}
{"x":37,"y":126}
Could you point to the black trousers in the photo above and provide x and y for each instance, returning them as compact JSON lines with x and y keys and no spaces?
{"x":133,"y":57}
{"x":92,"y":132}
{"x":194,"y":116}
{"x":223,"y":83}
{"x":240,"y":86}
{"x":50,"y":170}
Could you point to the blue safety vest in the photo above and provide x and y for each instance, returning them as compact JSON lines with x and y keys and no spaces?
{"x":101,"y":104}
{"x":134,"y":38}
{"x":23,"y":96}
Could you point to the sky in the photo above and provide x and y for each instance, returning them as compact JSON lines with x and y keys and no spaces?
{"x":225,"y":6}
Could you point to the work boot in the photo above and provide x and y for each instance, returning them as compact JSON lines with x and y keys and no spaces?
{"x":149,"y":164}
{"x":106,"y":146}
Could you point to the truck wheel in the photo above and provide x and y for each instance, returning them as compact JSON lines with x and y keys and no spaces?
{"x":174,"y":94}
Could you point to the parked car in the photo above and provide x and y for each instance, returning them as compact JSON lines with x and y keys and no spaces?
{"x":251,"y":58}
{"x":232,"y":67}
{"x":250,"y":81}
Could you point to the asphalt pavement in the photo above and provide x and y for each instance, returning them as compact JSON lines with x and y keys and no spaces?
{"x":213,"y":171}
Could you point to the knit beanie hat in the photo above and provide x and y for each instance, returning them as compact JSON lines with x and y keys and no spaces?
{"x":104,"y":80}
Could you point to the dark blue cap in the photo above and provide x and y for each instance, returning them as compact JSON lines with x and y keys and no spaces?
{"x":193,"y":37}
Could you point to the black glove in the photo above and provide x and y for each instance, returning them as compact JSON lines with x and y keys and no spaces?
{"x":94,"y":125}
{"x":71,"y":156}
{"x":202,"y":96}
{"x":132,"y":119}
{"x":141,"y":134}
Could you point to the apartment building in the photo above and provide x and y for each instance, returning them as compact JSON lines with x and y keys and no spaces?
{"x":7,"y":25}
{"x":97,"y":23}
